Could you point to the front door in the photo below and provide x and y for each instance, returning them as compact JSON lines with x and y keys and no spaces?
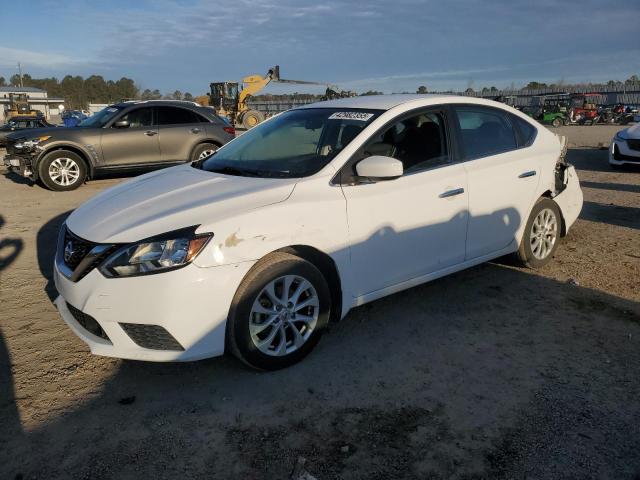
{"x":135,"y":144}
{"x":405,"y":228}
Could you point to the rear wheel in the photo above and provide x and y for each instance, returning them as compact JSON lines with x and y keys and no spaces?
{"x":204,"y":150}
{"x":541,"y":234}
{"x":62,"y":170}
{"x":278,"y":313}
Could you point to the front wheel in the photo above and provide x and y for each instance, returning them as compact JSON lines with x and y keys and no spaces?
{"x":62,"y":170}
{"x":541,"y":234}
{"x":556,"y":122}
{"x":278,"y":313}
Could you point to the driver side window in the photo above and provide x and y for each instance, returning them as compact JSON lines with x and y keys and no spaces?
{"x":141,"y":117}
{"x":419,"y":142}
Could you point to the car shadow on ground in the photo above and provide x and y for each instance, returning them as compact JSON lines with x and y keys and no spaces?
{"x":482,"y":373}
{"x":15,"y":177}
{"x":46,"y":244}
{"x":10,"y":248}
{"x":611,"y":214}
{"x":619,"y":187}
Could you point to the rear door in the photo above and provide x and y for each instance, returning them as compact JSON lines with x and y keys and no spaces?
{"x":181,"y":130}
{"x":135,"y":144}
{"x":502,"y":178}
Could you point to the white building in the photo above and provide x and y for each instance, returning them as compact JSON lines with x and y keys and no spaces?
{"x":38,"y":100}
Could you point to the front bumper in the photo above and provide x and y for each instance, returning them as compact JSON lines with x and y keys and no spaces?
{"x":21,"y":164}
{"x":191,"y":304}
{"x":621,"y":154}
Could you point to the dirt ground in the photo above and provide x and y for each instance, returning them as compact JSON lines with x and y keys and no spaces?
{"x":495,"y":372}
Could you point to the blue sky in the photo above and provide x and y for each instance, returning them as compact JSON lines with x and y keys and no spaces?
{"x":385,"y":45}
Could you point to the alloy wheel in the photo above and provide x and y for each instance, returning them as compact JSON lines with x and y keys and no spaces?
{"x":544,"y":233}
{"x":284,"y":315}
{"x":64,"y":171}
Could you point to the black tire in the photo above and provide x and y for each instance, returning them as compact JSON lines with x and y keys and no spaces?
{"x":251,"y":118}
{"x":78,"y":170}
{"x":239,"y":339}
{"x":203,"y":148}
{"x":525,"y":254}
{"x":556,"y":122}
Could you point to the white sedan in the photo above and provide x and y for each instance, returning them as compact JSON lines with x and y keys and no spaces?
{"x":625,"y":147}
{"x":320,"y":209}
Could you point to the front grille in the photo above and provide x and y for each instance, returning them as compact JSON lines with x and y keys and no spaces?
{"x":153,"y":337}
{"x":88,"y":322}
{"x":634,"y":144}
{"x":82,"y":256}
{"x":74,"y":249}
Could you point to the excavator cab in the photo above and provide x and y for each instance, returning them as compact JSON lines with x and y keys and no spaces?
{"x":19,"y":105}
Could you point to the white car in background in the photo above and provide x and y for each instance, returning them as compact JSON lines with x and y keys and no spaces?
{"x":625,"y":147}
{"x":311,"y":213}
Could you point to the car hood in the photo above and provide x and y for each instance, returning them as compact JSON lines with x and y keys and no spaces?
{"x":170,"y":199}
{"x":631,"y":132}
{"x":34,"y":132}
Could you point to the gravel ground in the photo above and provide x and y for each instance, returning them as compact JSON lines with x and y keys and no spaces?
{"x":495,"y":372}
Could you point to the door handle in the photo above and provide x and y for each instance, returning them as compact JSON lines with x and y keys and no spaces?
{"x":150,"y":133}
{"x":195,"y":130}
{"x":451,"y":193}
{"x":527,"y":174}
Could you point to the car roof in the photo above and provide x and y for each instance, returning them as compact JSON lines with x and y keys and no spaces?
{"x":387,"y":102}
{"x":173,"y":103}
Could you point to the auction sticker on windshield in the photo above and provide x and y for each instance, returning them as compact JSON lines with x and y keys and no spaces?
{"x":360,"y":116}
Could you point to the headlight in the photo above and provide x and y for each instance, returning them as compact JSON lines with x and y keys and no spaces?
{"x":155,"y":255}
{"x":619,"y":137}
{"x":33,"y":142}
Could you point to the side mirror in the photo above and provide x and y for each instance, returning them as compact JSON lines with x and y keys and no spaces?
{"x":121,"y":124}
{"x":378,"y":168}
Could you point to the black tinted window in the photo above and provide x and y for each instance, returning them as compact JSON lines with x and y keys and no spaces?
{"x":419,"y":142}
{"x":526,"y":132}
{"x":176,"y":115}
{"x":485,"y":131}
{"x":141,"y":117}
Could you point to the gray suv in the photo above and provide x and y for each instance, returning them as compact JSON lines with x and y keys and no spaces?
{"x":128,"y":136}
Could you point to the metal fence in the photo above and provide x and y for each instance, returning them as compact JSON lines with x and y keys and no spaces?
{"x":628,"y":93}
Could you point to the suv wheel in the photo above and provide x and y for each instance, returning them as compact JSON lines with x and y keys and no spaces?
{"x":62,"y":170}
{"x":203,"y":150}
{"x":278,"y":313}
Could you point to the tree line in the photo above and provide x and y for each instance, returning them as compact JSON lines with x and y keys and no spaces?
{"x":78,"y":92}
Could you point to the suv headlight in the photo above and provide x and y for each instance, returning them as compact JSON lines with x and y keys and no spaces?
{"x":158,"y":254}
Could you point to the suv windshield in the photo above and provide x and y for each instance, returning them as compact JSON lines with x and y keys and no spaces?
{"x":100,"y":119}
{"x":297,"y":143}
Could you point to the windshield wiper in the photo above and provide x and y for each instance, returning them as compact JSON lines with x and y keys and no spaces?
{"x":243,"y":172}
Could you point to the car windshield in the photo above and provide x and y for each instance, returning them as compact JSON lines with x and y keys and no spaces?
{"x":295,"y":144}
{"x":101,"y":118}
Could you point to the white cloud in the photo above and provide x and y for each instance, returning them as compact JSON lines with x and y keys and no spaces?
{"x":9,"y":57}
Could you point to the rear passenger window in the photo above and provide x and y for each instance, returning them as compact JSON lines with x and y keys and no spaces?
{"x":485,"y":132}
{"x":175,"y":116}
{"x":525,"y":132}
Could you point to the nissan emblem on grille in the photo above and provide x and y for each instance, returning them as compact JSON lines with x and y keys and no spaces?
{"x":68,"y":251}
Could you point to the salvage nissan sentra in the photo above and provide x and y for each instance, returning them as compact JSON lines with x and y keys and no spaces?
{"x":254,"y":249}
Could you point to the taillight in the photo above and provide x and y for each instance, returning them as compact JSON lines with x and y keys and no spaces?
{"x":230,"y":130}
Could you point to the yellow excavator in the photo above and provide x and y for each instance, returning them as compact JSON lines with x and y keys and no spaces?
{"x":19,"y":106}
{"x":230,"y":100}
